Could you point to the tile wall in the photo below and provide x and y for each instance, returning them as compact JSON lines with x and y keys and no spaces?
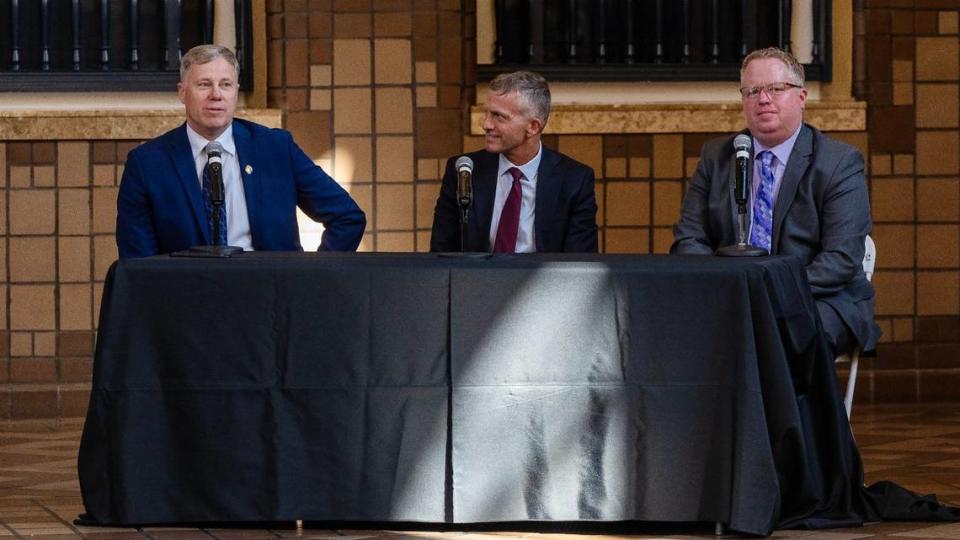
{"x":908,"y":70}
{"x":378,"y":92}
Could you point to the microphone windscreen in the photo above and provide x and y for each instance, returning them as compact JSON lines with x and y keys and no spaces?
{"x":464,"y":163}
{"x":742,"y":142}
{"x":214,"y":150}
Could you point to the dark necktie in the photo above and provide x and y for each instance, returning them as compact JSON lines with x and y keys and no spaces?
{"x":762,"y":230}
{"x":208,"y":205}
{"x":509,"y":225}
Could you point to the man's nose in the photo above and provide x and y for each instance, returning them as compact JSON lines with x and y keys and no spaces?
{"x":487,"y":123}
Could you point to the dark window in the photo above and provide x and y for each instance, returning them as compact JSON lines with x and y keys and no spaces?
{"x":646,"y":39}
{"x":116,"y":45}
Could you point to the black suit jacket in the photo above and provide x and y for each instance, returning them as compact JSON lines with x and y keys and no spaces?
{"x":565,"y":217}
{"x":822,"y":214}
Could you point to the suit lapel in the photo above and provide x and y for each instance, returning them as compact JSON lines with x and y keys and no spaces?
{"x":247,"y":157}
{"x":548,"y":189}
{"x":181,"y":155}
{"x":731,"y":179}
{"x":485,"y":191}
{"x":797,"y":166}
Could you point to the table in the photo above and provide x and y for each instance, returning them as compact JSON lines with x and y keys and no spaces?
{"x":464,"y":389}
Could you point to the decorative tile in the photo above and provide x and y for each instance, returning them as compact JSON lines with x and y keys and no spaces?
{"x":351,"y":110}
{"x":938,"y":199}
{"x":627,"y":203}
{"x":394,"y":108}
{"x":627,"y":240}
{"x":426,"y":96}
{"x":937,"y":293}
{"x":392,"y":61}
{"x":394,"y":159}
{"x":321,"y":75}
{"x":936,"y":105}
{"x":395,"y":208}
{"x":937,"y":58}
{"x":351,"y":62}
{"x":938,"y":152}
{"x":32,"y":259}
{"x":353,"y":159}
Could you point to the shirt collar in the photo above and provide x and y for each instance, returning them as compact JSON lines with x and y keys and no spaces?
{"x":529,"y":169}
{"x":781,"y":151}
{"x":198,"y":142}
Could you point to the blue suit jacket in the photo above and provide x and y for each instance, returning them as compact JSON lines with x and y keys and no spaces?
{"x":160,"y":205}
{"x":565,"y":216}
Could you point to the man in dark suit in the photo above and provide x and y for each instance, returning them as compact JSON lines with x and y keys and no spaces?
{"x":164,"y":203}
{"x":809,"y":198}
{"x":526,"y":197}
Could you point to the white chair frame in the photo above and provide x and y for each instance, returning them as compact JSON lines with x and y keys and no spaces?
{"x":869,"y":263}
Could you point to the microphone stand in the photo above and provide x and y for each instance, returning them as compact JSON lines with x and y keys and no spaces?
{"x":215,"y":250}
{"x":742,"y":248}
{"x":465,"y":200}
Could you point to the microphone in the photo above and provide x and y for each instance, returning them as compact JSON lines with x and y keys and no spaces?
{"x":742,"y":144}
{"x":464,"y":167}
{"x":215,"y":170}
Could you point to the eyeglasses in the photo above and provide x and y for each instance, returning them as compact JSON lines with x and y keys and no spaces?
{"x":773,"y":90}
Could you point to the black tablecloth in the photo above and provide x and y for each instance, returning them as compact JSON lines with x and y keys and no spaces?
{"x":465,"y":389}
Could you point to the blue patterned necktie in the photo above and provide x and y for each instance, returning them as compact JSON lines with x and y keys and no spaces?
{"x":762,"y":230}
{"x":208,"y":205}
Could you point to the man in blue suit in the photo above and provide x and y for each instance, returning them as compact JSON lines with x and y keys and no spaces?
{"x":164,"y":205}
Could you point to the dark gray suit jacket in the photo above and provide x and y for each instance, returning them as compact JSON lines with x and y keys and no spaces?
{"x":565,"y":217}
{"x":822,"y":215}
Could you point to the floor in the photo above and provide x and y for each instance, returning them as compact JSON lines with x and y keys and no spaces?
{"x":916,"y":446}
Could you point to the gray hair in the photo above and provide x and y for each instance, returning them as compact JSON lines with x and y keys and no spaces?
{"x":795,"y":67}
{"x":532,"y":89}
{"x":203,"y":54}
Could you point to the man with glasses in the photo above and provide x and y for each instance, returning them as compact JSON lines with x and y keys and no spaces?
{"x":808,"y":198}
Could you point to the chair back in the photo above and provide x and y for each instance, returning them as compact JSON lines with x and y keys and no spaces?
{"x":869,"y":257}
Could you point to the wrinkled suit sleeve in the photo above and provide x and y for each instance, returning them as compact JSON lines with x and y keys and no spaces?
{"x":135,"y":234}
{"x":692,"y":235}
{"x":445,"y":235}
{"x":324,"y":201}
{"x":845,"y":222}
{"x":582,"y":233}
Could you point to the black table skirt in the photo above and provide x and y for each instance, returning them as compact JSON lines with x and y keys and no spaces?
{"x":465,"y":389}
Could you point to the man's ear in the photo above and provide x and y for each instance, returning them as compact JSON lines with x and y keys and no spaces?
{"x":534,"y":127}
{"x":180,"y":91}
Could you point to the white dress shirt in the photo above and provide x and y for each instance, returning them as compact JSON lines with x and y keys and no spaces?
{"x":238,"y":223}
{"x":526,"y":238}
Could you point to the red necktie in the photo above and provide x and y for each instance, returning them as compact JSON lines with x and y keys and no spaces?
{"x":506,"y":241}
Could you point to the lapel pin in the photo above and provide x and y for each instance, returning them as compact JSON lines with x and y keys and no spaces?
{"x":248,"y":169}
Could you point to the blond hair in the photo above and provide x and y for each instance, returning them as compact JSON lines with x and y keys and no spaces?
{"x":203,"y":54}
{"x":795,"y":68}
